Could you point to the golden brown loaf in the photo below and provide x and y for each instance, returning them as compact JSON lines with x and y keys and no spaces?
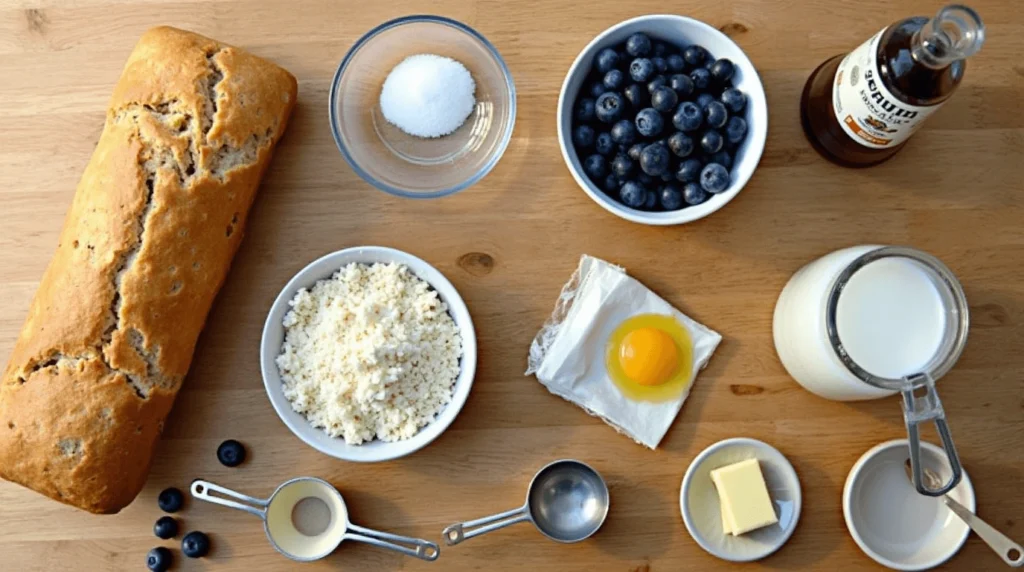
{"x":147,"y":243}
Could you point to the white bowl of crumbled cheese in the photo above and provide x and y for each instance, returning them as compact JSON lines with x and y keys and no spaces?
{"x":368,"y":354}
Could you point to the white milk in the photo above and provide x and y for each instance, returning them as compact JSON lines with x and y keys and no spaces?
{"x":306,"y":519}
{"x":891,"y":318}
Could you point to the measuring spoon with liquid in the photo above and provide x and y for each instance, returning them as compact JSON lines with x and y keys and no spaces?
{"x":306,"y":519}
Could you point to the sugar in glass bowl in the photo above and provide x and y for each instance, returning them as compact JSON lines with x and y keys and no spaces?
{"x":402,"y":164}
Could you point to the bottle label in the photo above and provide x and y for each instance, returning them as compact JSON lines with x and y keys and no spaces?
{"x":864,"y":106}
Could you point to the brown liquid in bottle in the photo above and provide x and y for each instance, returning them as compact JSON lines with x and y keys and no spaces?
{"x":916,"y":70}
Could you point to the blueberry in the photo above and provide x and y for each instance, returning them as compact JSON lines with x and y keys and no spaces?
{"x":682,"y":84}
{"x":736,"y":130}
{"x":159,"y":559}
{"x":583,"y":136}
{"x":632,"y":194}
{"x":622,"y":166}
{"x":694,"y":195}
{"x":609,"y":107}
{"x":623,"y":132}
{"x":606,"y":60}
{"x":649,"y":122}
{"x":680,"y":144}
{"x":689,"y":171}
{"x":660,"y":64}
{"x":654,"y":160}
{"x":667,"y":176}
{"x":723,"y":158}
{"x":703,"y":100}
{"x":709,"y":63}
{"x":651,"y":201}
{"x":670,"y":198}
{"x":734,"y":100}
{"x":604,"y":144}
{"x":722,"y":70}
{"x":714,"y":178}
{"x":644,"y":179}
{"x":195,"y":544}
{"x":614,"y":80}
{"x":660,"y":49}
{"x":166,"y":527}
{"x":664,"y":99}
{"x":610,"y":185}
{"x":637,"y":95}
{"x":656,"y":82}
{"x":711,"y":141}
{"x":595,"y":168}
{"x":687,"y":117}
{"x":641,"y":70}
{"x":635,"y":150}
{"x":170,"y":500}
{"x":638,"y":45}
{"x":596,"y":89}
{"x":585,"y":110}
{"x":231,"y":453}
{"x":694,"y":55}
{"x":716,"y":114}
{"x":676,"y":63}
{"x":701,"y":78}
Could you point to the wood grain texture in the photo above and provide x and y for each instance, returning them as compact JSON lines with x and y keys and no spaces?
{"x":508,"y":244}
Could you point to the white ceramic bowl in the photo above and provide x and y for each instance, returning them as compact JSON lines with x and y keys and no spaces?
{"x":702,"y":514}
{"x":273,"y":337}
{"x":681,"y":31}
{"x":894,"y":524}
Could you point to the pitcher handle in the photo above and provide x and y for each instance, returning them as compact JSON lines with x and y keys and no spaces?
{"x":918,"y":409}
{"x":415,"y":547}
{"x":201,"y":490}
{"x":462,"y":531}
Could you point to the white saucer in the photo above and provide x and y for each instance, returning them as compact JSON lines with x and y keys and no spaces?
{"x":894,"y":524}
{"x":698,"y":500}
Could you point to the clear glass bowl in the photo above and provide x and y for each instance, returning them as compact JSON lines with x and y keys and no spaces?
{"x":402,"y":164}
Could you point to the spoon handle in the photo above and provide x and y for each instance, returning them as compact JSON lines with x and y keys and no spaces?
{"x":1008,"y":550}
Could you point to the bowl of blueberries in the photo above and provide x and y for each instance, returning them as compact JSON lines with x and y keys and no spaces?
{"x":662,"y":119}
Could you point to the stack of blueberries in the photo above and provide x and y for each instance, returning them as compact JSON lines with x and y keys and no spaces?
{"x":657,"y":127}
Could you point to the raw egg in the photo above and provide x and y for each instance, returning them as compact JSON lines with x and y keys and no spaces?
{"x":650,"y":357}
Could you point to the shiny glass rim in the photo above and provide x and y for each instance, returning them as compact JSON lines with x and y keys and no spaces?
{"x":947,"y":279}
{"x":501,"y":146}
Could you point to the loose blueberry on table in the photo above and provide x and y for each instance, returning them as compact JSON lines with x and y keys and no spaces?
{"x":159,"y":559}
{"x":231,"y":453}
{"x":170,"y":500}
{"x":656,"y":125}
{"x":166,"y":527}
{"x":195,"y":544}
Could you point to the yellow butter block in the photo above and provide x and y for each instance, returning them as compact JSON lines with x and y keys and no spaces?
{"x":746,"y":505}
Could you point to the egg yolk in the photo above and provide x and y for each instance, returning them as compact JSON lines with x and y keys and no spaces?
{"x":648,"y":356}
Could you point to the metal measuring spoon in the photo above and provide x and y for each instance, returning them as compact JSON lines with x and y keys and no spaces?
{"x":567,"y":501}
{"x":1008,"y":550}
{"x":277,"y":517}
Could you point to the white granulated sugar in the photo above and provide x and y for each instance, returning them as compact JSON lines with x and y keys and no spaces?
{"x":369,"y":353}
{"x":428,"y":95}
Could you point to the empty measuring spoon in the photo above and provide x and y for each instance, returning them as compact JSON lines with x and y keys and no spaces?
{"x":1007,"y":549}
{"x":303,"y":531}
{"x":567,"y":501}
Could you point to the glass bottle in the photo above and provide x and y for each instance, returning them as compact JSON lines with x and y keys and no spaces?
{"x":859,"y":109}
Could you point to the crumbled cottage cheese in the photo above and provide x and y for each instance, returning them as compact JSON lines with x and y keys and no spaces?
{"x":370,"y":352}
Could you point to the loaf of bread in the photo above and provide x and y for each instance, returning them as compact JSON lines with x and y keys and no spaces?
{"x":146,"y":245}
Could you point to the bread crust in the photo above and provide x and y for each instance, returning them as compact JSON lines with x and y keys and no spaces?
{"x":147,"y":243}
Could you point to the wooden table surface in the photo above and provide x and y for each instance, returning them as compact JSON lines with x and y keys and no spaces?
{"x":508,"y":244}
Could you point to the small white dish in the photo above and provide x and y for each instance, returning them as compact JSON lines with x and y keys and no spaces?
{"x":894,"y":524}
{"x":702,"y":515}
{"x":681,"y":31}
{"x":273,"y":337}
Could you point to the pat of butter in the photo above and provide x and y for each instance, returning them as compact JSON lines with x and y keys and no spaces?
{"x":746,"y":505}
